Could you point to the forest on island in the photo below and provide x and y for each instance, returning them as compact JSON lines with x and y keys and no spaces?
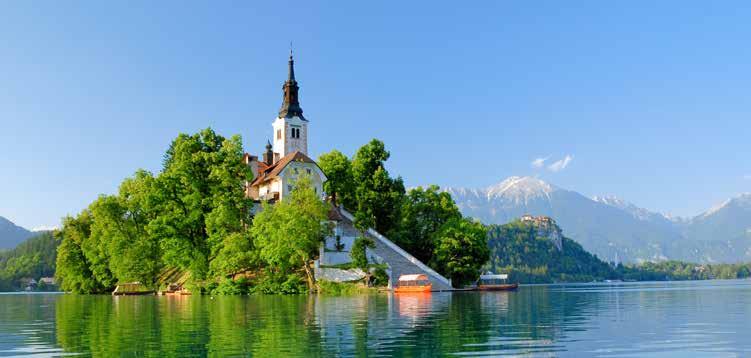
{"x":193,"y":217}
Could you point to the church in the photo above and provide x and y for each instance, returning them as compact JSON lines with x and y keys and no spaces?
{"x":282,"y":162}
{"x":275,"y":173}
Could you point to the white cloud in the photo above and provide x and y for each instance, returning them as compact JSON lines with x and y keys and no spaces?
{"x":560,"y":164}
{"x":538,"y":162}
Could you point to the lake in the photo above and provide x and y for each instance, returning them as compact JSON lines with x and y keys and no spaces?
{"x":666,"y":319}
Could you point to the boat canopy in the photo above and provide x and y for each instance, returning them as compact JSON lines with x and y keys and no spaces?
{"x":417,"y":277}
{"x":494,"y":277}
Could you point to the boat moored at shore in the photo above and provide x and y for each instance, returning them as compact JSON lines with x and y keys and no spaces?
{"x":413,"y":283}
{"x":492,"y":282}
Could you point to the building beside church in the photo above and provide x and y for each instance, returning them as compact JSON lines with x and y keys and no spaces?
{"x":285,"y":160}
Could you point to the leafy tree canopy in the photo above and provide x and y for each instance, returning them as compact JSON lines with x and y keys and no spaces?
{"x":73,"y":271}
{"x":340,"y":183}
{"x":378,"y":197}
{"x":199,"y":200}
{"x":289,"y":233}
{"x":460,"y":251}
{"x":423,"y":213}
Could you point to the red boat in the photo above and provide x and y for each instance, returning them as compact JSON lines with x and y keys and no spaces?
{"x":495,"y":283}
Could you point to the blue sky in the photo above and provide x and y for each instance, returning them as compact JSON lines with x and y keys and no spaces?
{"x":649,"y":101}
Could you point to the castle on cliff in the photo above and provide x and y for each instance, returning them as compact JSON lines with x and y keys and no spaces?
{"x":545,"y":226}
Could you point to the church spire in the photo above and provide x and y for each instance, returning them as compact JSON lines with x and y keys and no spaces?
{"x":290,"y":103}
{"x":291,"y":63}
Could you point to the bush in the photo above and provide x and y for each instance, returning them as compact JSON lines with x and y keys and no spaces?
{"x":270,"y":283}
{"x":294,"y":284}
{"x":340,"y":288}
{"x":230,"y":287}
{"x":380,"y":277}
{"x":358,"y":252}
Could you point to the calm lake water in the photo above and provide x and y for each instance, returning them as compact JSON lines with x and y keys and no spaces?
{"x":679,"y":319}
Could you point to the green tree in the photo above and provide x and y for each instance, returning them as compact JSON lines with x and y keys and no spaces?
{"x":461,"y":249}
{"x":289,"y":233}
{"x":359,"y":254}
{"x":199,"y":200}
{"x":236,"y":255}
{"x":378,"y":197}
{"x":339,"y":184}
{"x":423,"y":213}
{"x":72,"y":267}
{"x":94,"y":247}
{"x":119,"y":229}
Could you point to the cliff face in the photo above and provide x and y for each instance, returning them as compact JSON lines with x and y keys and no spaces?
{"x":545,"y":227}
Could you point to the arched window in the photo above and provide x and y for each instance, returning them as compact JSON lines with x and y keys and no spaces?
{"x":296,"y":133}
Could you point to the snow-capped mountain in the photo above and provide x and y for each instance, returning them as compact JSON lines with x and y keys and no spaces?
{"x":635,"y":211}
{"x":521,"y":189}
{"x":610,"y":227}
{"x":727,"y":225}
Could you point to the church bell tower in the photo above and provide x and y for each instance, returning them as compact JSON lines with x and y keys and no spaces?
{"x":290,"y":127}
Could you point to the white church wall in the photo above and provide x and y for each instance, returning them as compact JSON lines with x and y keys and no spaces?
{"x":283,"y":141}
{"x":296,"y":169}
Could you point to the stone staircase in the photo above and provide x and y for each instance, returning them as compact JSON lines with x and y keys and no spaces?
{"x":399,"y":261}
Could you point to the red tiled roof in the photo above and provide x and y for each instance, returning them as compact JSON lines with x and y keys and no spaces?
{"x":275,"y":169}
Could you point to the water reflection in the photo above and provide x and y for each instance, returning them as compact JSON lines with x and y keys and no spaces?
{"x":592,"y":320}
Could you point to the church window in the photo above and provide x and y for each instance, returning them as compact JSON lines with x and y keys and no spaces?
{"x":308,"y":170}
{"x":278,"y":134}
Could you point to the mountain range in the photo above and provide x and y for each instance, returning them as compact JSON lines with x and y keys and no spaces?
{"x":12,"y":234}
{"x":615,"y":229}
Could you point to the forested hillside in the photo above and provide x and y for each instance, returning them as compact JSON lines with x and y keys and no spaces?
{"x":33,"y":258}
{"x":516,"y":249}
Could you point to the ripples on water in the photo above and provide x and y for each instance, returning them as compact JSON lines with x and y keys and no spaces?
{"x":679,"y":319}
